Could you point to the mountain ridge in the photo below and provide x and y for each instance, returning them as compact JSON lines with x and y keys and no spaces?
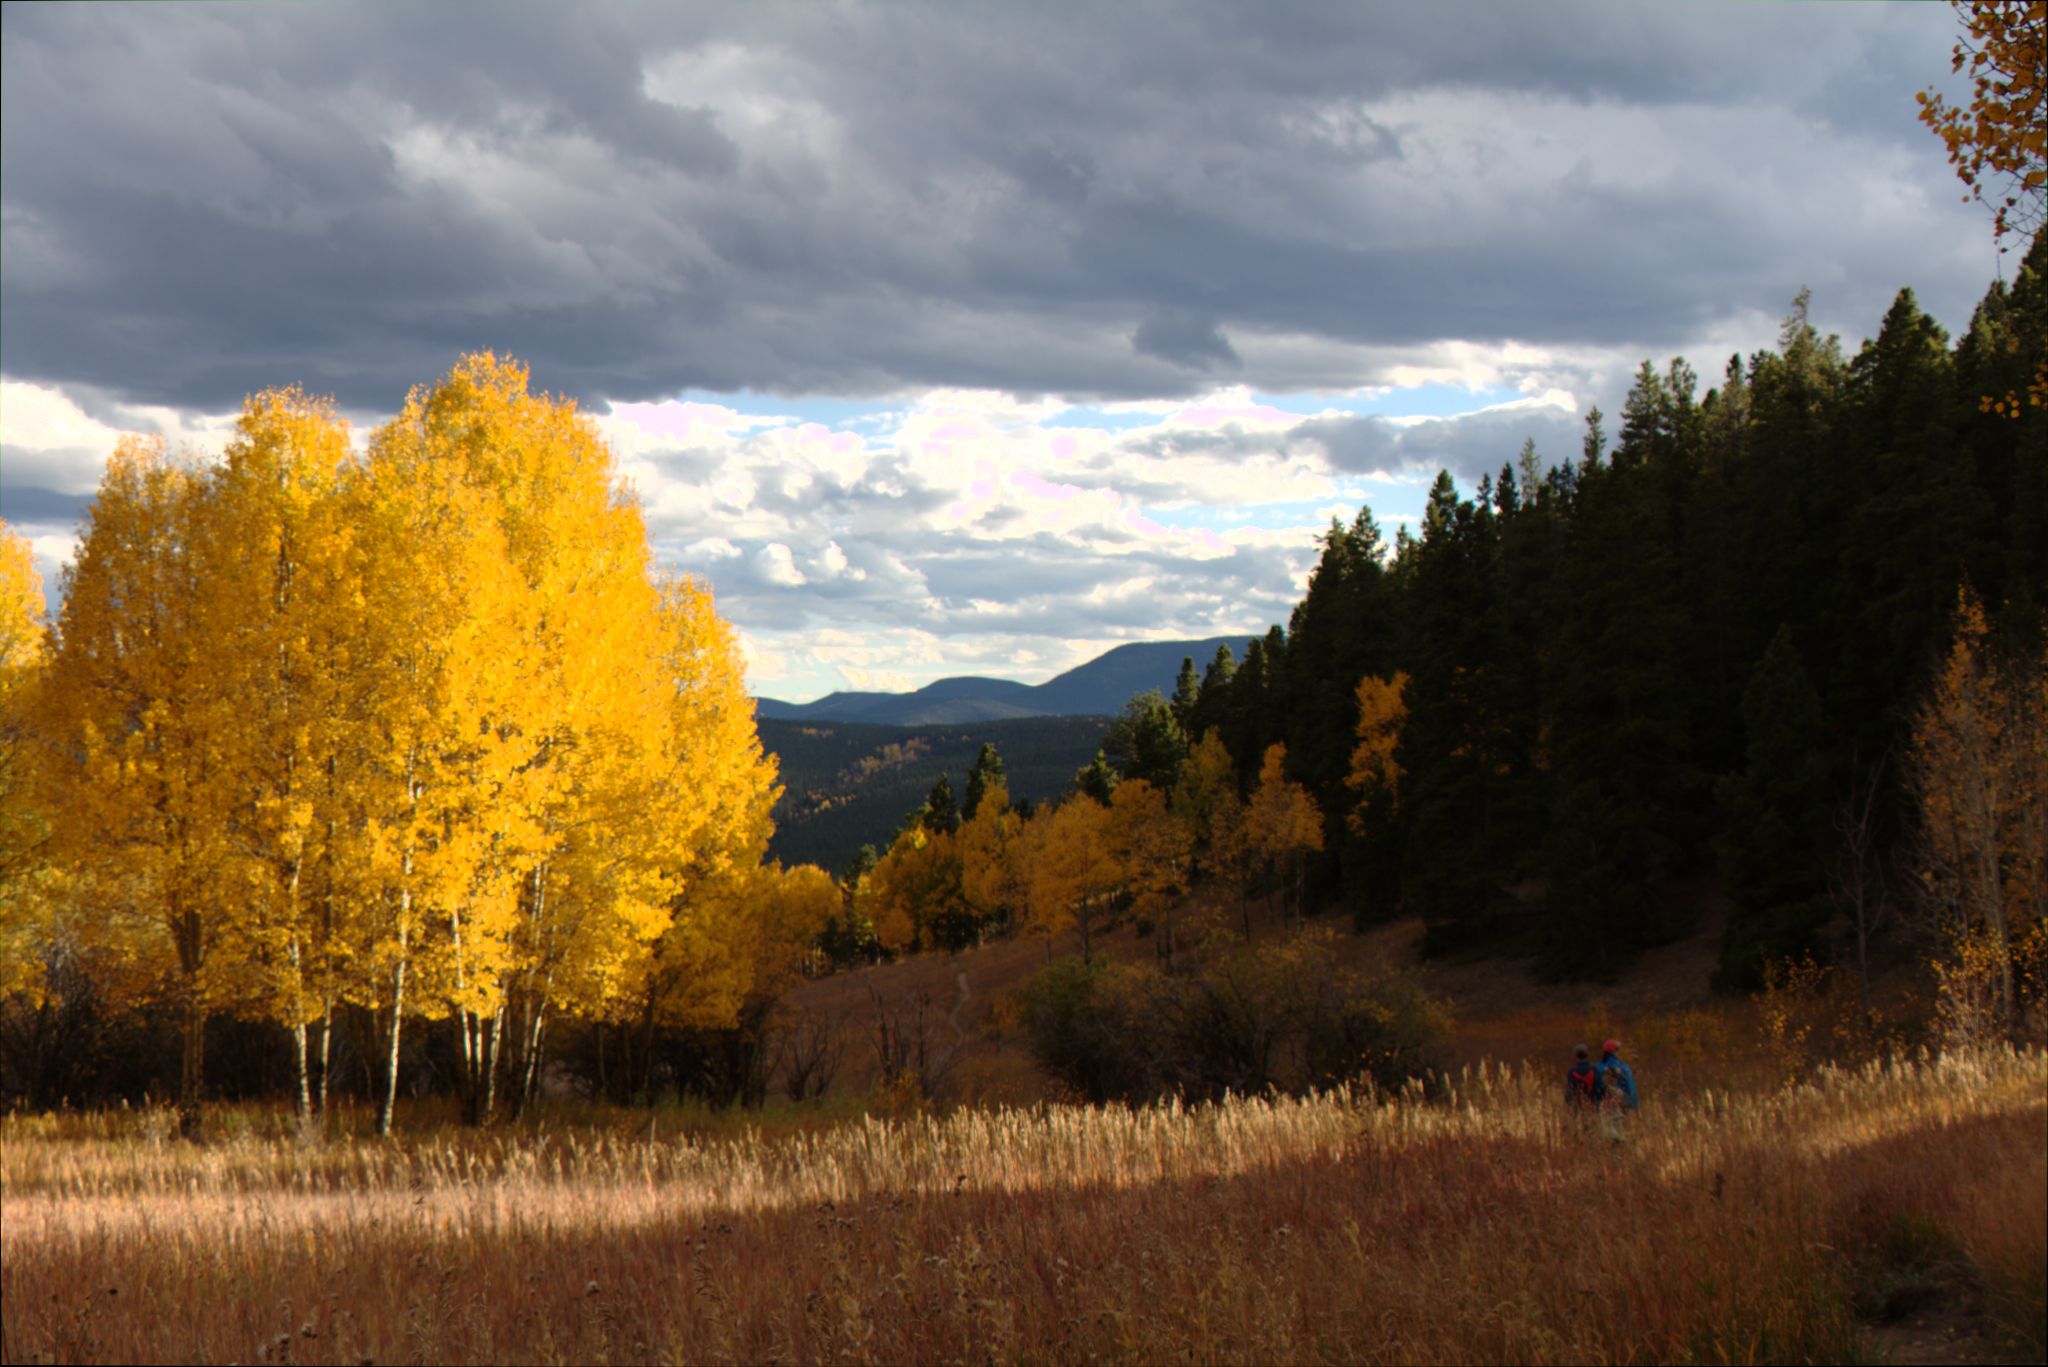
{"x":1098,"y":687}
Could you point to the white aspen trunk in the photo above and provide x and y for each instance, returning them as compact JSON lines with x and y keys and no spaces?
{"x":298,"y":1020}
{"x":526,"y":1090}
{"x":299,"y":1058}
{"x":326,"y":1038}
{"x":390,"y":1098}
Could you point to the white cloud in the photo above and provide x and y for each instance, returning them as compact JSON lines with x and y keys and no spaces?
{"x":776,"y":565}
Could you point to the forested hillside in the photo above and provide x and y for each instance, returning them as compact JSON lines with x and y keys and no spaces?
{"x":1781,"y":638}
{"x":1698,"y":645}
{"x":848,"y":784}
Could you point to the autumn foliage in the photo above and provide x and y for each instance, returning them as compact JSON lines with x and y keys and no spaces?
{"x":417,"y":731}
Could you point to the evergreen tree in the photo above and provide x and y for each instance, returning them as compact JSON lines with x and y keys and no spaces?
{"x":1625,"y":809}
{"x":939,"y":815}
{"x":1187,"y":693}
{"x":1212,"y":703}
{"x":987,"y":773}
{"x":1146,"y":742}
{"x":1914,"y":517}
{"x":1096,"y":779}
{"x":1773,"y":855}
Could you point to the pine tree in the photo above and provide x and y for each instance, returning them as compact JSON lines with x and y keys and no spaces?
{"x":1773,"y":855}
{"x":1212,"y":704}
{"x":938,"y":814}
{"x":986,"y":775}
{"x":1146,"y":742}
{"x":1187,"y":692}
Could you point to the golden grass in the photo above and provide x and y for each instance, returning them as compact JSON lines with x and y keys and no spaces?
{"x":1483,"y":1225}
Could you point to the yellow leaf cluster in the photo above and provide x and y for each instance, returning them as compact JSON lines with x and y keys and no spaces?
{"x":1998,"y":143}
{"x":417,"y":728}
{"x":1375,"y":772}
{"x":1978,"y":766}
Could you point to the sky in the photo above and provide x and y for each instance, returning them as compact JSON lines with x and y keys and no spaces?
{"x":955,"y":338}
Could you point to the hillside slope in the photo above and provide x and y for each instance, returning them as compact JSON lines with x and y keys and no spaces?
{"x":848,"y":784}
{"x":962,"y":1004}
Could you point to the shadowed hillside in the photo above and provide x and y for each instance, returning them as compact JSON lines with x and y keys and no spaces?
{"x":847,"y":784}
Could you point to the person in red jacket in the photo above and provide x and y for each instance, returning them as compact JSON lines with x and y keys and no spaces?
{"x":1583,"y":1090}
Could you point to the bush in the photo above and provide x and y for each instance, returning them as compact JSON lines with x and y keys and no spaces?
{"x":1085,"y":1026}
{"x":1247,"y":1019}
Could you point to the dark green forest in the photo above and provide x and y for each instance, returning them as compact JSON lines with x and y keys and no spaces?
{"x":1679,"y":658}
{"x":1678,"y":655}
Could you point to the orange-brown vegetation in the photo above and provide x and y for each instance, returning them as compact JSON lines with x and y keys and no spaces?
{"x":1479,"y":1224}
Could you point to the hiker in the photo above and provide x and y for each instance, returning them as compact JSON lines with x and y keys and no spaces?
{"x":1612,"y":1067}
{"x":1582,"y":1088}
{"x":1613,"y":1101}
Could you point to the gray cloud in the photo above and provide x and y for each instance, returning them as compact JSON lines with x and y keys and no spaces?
{"x":28,"y":505}
{"x":1469,"y":446}
{"x":1102,"y":202}
{"x":1187,"y":340}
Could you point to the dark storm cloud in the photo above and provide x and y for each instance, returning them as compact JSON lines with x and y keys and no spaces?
{"x":1109,"y":201}
{"x":27,"y":505}
{"x":1186,"y":340}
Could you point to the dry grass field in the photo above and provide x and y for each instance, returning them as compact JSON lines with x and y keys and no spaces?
{"x":1480,"y":1224}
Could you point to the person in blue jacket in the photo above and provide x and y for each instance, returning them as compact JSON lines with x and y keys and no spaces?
{"x":1610,"y":1057}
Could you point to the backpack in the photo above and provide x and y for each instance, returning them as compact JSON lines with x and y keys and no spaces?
{"x":1582,"y":1085}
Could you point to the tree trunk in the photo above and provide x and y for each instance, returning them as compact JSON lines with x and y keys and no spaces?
{"x":191,"y":1078}
{"x":526,"y":1086}
{"x":326,"y":1039}
{"x":389,"y":1101}
{"x":491,"y":1062}
{"x":646,"y":1084}
{"x":301,"y":1061}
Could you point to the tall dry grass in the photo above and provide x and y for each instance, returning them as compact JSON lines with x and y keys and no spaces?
{"x":1481,"y":1225}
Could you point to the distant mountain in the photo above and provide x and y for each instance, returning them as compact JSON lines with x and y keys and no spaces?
{"x":946,"y":702}
{"x":1098,"y":688}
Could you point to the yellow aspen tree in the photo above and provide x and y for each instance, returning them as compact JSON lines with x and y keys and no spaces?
{"x":272,"y":578}
{"x":706,"y":823}
{"x":781,"y":912}
{"x":1206,"y":803}
{"x":1976,"y":763}
{"x":1998,"y":142}
{"x":709,"y":822}
{"x":1075,"y":873}
{"x":791,"y":908}
{"x":24,"y":832}
{"x":137,"y":773}
{"x":754,"y":934}
{"x":568,"y":699}
{"x":429,"y":748}
{"x":1375,"y":772}
{"x":1282,"y":821}
{"x":897,"y":892}
{"x":593,"y":818}
{"x":990,"y":850}
{"x":1153,"y":849}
